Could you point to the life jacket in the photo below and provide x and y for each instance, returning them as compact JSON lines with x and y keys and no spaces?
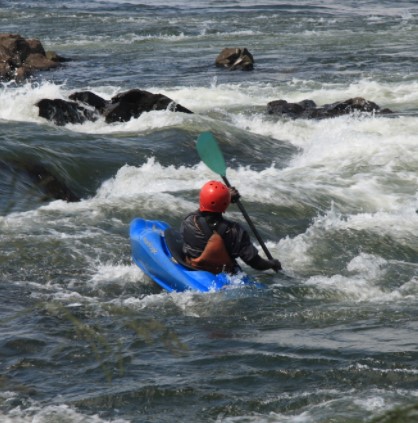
{"x":215,"y":257}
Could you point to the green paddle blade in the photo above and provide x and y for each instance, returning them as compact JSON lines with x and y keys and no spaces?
{"x":210,"y":153}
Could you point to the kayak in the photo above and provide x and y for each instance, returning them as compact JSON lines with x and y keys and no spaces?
{"x":157,"y":251}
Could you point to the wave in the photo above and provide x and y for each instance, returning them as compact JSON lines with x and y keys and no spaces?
{"x":153,"y":190}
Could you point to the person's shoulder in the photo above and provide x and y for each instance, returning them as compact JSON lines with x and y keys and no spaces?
{"x":232,"y":224}
{"x":192,"y":214}
{"x":192,"y":218}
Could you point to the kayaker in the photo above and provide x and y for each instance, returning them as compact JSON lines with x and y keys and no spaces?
{"x":212,"y":242}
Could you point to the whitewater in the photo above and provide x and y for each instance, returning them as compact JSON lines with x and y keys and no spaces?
{"x":85,"y":336}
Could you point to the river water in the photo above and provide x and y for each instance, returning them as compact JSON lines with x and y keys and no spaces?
{"x":85,"y":336}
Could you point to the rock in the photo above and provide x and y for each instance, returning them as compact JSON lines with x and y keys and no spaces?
{"x":132,"y":103}
{"x":121,"y":108}
{"x":38,"y":62}
{"x":293,"y":110}
{"x":90,"y":99}
{"x":35,"y":47}
{"x":235,"y":58}
{"x":307,"y":108}
{"x":62,"y":112}
{"x":52,"y":55}
{"x":20,"y":57}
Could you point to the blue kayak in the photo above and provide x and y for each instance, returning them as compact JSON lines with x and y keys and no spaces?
{"x":157,"y":251}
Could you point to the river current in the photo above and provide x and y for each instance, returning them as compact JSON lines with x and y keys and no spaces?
{"x":86,"y":337}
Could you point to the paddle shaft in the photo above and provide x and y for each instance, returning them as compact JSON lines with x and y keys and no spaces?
{"x":249,"y":221}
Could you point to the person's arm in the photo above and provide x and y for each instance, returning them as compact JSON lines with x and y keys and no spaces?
{"x":259,"y":263}
{"x":240,"y":245}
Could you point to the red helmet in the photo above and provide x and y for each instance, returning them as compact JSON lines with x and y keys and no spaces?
{"x":214,"y":197}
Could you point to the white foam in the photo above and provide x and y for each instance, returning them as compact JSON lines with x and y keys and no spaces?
{"x":329,"y":402}
{"x":18,"y":103}
{"x":362,"y":284}
{"x":39,"y":414}
{"x":147,"y":121}
{"x":150,"y":178}
{"x":364,"y":270}
{"x":121,"y":274}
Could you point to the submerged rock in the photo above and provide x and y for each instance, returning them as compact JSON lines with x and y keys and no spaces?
{"x":309,"y":110}
{"x":21,"y":176}
{"x":50,"y":184}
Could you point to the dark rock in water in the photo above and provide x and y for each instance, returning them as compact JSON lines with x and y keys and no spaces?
{"x":20,"y":57}
{"x":307,"y":108}
{"x":348,"y":106}
{"x":293,"y":110}
{"x":90,"y":99}
{"x":307,"y":104}
{"x":62,"y":112}
{"x":121,"y":108}
{"x":235,"y":58}
{"x":132,"y":103}
{"x":49,"y":183}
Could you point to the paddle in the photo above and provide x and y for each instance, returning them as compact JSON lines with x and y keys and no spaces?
{"x":212,"y":156}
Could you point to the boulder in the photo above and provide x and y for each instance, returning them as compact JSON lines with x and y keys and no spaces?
{"x":20,"y":57}
{"x":120,"y":108}
{"x":90,"y":99}
{"x":132,"y":103}
{"x":62,"y":112}
{"x":292,"y":110}
{"x":52,"y":55}
{"x":235,"y":58}
{"x":307,"y":109}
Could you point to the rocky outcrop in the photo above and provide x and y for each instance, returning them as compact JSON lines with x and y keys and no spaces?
{"x":20,"y":57}
{"x":235,"y":58}
{"x":87,"y":106}
{"x":307,"y":109}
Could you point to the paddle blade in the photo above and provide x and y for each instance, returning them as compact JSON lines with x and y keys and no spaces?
{"x":210,"y":153}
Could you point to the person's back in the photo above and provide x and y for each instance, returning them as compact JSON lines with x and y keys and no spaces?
{"x":212,"y":242}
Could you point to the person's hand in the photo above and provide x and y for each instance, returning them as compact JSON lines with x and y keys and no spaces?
{"x":275,"y":265}
{"x":235,"y":195}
